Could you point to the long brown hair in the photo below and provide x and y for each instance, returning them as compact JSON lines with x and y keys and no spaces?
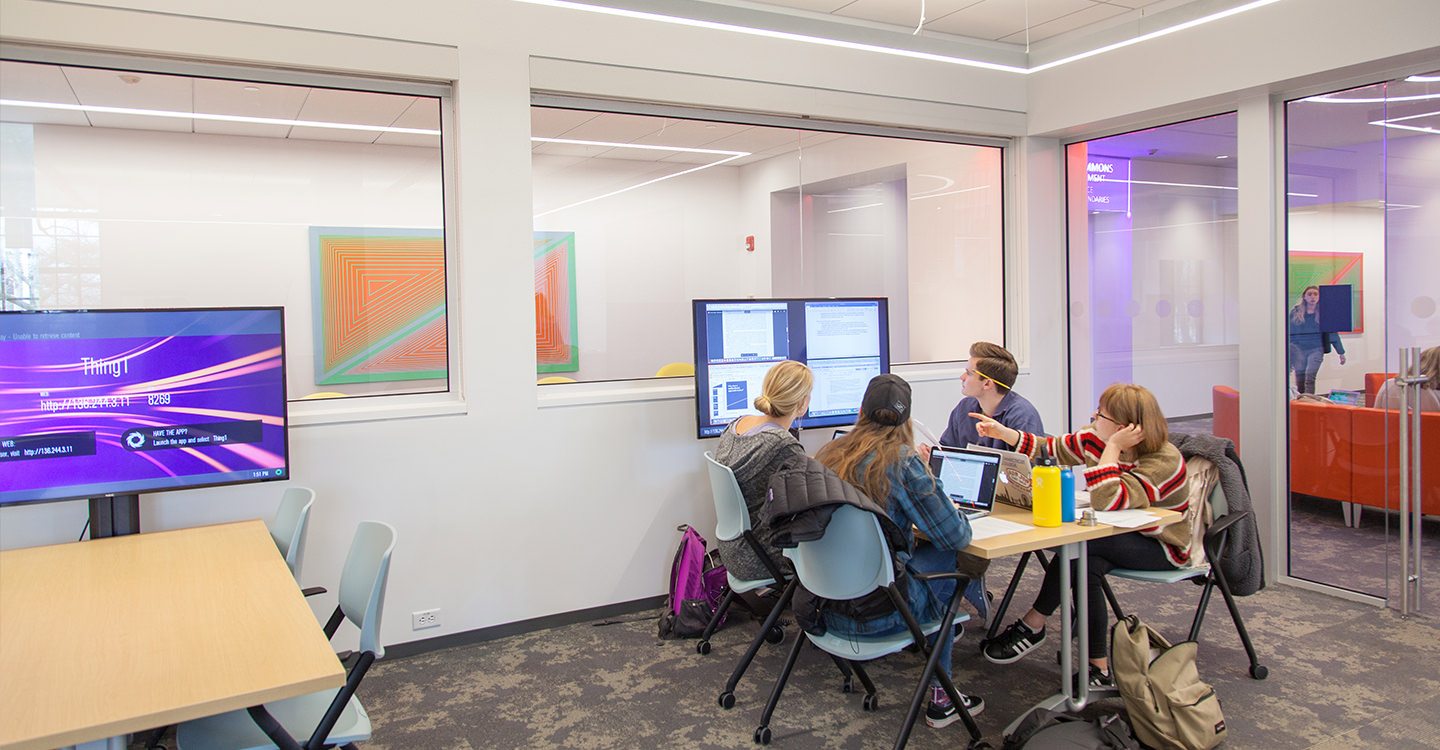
{"x":884,"y":445}
{"x":1297,"y":313}
{"x":1127,"y":403}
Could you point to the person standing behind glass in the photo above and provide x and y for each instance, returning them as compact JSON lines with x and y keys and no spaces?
{"x":754,"y":446}
{"x":1308,"y":344}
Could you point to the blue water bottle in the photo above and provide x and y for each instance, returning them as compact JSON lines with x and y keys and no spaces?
{"x":1067,"y":495}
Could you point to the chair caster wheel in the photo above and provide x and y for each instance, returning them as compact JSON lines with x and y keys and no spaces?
{"x":727,"y":700}
{"x":871,"y":702}
{"x":1259,"y":672}
{"x":762,"y":736}
{"x":847,"y":685}
{"x":775,"y":635}
{"x":703,"y":647}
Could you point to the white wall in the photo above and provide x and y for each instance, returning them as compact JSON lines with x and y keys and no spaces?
{"x":215,"y":220}
{"x":490,"y":531}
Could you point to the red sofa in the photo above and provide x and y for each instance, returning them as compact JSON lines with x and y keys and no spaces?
{"x":1345,"y":453}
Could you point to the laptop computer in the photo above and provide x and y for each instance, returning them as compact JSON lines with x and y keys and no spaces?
{"x":1014,"y":487}
{"x":969,"y":478}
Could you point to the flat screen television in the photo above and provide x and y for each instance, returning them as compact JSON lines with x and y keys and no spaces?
{"x":109,"y":403}
{"x":844,"y":340}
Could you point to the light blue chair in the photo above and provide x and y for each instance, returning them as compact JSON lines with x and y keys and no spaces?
{"x":291,"y":522}
{"x":851,"y":560}
{"x":732,"y":521}
{"x":1209,"y":575}
{"x":329,"y":717}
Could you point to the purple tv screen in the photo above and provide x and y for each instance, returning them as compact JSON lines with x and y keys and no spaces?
{"x":109,"y":402}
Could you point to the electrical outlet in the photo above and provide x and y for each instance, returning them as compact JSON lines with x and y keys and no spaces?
{"x":429,"y":618}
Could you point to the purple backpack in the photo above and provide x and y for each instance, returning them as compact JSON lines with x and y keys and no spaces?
{"x":697,"y":584}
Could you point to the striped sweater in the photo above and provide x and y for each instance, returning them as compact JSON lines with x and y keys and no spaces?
{"x":1155,"y":479}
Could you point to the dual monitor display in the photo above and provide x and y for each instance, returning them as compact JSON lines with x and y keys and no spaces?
{"x":845,"y":342}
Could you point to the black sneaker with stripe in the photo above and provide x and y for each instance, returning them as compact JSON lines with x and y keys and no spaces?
{"x":1013,"y":643}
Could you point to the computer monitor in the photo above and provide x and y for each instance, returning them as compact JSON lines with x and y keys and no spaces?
{"x":845,"y":342}
{"x":104,"y":403}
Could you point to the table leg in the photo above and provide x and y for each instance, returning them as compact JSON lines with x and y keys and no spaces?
{"x":1071,"y":615}
{"x":1082,"y":619}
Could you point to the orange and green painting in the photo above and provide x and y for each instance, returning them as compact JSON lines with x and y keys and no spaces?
{"x":379,"y":297}
{"x":1309,"y":268}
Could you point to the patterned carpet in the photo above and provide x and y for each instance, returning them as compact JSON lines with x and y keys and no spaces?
{"x":1342,"y":675}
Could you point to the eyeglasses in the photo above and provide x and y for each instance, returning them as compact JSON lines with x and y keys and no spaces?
{"x":1101,"y":415}
{"x":973,"y":371}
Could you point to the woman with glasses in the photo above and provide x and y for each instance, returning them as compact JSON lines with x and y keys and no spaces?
{"x":1129,"y":463}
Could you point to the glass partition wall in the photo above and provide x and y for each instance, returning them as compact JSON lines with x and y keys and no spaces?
{"x":636,"y":215}
{"x":1364,"y":278}
{"x":129,"y":188}
{"x":1152,"y":267}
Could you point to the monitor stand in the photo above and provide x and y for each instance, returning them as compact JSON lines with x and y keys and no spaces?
{"x":114,"y":515}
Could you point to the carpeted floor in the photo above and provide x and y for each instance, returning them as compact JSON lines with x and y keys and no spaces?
{"x":1342,"y":675}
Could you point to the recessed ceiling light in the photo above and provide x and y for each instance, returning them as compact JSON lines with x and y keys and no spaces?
{"x":251,"y":89}
{"x":214,"y":117}
{"x":1223,"y":156}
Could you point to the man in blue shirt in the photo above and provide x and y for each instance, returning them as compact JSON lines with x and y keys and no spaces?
{"x":986,"y":384}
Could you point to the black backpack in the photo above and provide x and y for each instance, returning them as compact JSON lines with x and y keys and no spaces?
{"x":1043,"y":729}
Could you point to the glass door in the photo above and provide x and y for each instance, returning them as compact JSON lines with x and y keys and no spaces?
{"x":1363,"y":195}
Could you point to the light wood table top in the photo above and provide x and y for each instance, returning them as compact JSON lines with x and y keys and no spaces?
{"x":112,"y":636}
{"x":1035,"y":537}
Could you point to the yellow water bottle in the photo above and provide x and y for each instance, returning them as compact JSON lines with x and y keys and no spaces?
{"x":1045,"y":490}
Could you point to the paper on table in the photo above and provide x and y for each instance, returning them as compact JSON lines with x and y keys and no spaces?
{"x":984,"y":528}
{"x":1126,"y":519}
{"x":1082,"y":498}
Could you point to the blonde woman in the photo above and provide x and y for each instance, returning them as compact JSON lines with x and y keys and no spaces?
{"x":754,"y":446}
{"x":1129,"y":463}
{"x":1388,"y":397}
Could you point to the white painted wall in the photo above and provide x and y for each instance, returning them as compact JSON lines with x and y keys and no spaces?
{"x":490,"y":530}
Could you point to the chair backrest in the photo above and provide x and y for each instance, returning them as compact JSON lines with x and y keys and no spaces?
{"x":1219,"y":506}
{"x":292,"y":520}
{"x":362,"y":582}
{"x":732,"y":515}
{"x":676,"y":370}
{"x":849,"y":561}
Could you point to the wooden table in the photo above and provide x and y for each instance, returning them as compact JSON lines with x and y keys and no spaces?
{"x":1071,"y":539}
{"x":107,"y":637}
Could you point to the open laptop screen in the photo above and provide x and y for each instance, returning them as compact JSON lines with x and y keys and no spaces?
{"x":968,"y":477}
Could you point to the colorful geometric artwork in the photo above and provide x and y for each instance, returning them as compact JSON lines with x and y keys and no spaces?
{"x":556,"y":343}
{"x":1310,"y":268}
{"x":379,"y":297}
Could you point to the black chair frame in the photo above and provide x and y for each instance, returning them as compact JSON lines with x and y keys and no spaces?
{"x":871,"y":701}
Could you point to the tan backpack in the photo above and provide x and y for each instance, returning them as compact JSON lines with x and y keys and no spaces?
{"x":1169,"y":706}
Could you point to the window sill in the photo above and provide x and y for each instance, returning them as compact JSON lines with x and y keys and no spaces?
{"x":371,"y":409}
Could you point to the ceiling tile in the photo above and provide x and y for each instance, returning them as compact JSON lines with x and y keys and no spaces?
{"x":353,"y":107}
{"x":148,"y":91}
{"x":903,"y":13}
{"x":34,"y":83}
{"x":1071,"y":22}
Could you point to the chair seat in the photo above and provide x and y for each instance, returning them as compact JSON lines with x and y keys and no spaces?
{"x":1161,"y":576}
{"x":299,"y":715}
{"x":867,"y":647}
{"x":740,"y":586}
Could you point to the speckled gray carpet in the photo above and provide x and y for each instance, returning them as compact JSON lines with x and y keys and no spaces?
{"x":1342,"y":675}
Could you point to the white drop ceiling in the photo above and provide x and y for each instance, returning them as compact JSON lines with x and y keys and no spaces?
{"x":1008,"y":21}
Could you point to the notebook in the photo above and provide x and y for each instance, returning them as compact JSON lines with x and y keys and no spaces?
{"x":969,"y":478}
{"x":1014,"y":487}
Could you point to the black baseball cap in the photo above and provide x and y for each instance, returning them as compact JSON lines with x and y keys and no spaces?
{"x":890,"y":393}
